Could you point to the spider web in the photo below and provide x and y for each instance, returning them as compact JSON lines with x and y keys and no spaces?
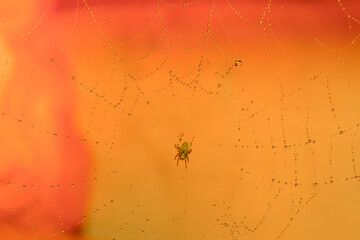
{"x":94,"y":95}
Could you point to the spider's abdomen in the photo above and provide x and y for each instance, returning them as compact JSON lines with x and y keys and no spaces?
{"x":184,"y":148}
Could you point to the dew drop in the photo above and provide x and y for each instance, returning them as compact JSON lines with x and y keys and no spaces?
{"x":238,"y":63}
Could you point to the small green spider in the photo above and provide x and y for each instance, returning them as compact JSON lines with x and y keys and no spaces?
{"x":183,"y":152}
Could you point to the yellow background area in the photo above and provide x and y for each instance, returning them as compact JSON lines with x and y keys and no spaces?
{"x":94,"y":95}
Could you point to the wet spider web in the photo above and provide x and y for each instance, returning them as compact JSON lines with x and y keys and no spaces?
{"x":267,"y":95}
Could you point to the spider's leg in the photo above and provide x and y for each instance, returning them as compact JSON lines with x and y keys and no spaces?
{"x":175,"y":156}
{"x":177,"y":164}
{"x":185,"y":163}
{"x":192,"y":140}
{"x":187,"y":158}
{"x":189,"y":151}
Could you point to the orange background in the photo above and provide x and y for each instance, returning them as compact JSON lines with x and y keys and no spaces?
{"x":94,"y":95}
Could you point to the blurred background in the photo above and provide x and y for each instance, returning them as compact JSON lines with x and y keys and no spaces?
{"x":95,"y":93}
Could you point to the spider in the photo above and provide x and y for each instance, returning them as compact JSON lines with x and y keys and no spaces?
{"x":183,"y":152}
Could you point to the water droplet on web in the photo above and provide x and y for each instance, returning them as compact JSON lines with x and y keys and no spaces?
{"x":238,"y":63}
{"x":341,"y":132}
{"x":55,"y":134}
{"x":219,"y":85}
{"x":52,"y":60}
